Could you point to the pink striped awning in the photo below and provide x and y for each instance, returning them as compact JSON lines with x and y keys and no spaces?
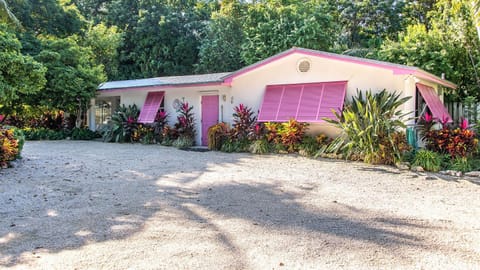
{"x":310,"y":102}
{"x":434,"y":103}
{"x":150,"y":107}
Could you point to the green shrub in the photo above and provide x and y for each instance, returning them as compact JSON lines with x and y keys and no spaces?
{"x":260,"y":147}
{"x":461,"y":164}
{"x":83,"y":134}
{"x":309,"y":146}
{"x":408,"y":156}
{"x":228,"y":146}
{"x":34,"y":134}
{"x":231,"y":145}
{"x":369,"y":124}
{"x":428,"y":160}
{"x":183,"y":142}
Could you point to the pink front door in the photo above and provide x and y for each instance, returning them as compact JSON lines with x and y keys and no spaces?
{"x":209,"y":115}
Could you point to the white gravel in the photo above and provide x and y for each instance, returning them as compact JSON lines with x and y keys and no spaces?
{"x":93,"y":205}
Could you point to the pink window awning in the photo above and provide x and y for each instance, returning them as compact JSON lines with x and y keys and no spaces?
{"x":309,"y":102}
{"x":150,"y":107}
{"x":433,"y":101}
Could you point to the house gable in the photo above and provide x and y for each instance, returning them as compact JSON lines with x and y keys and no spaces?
{"x":396,"y":69}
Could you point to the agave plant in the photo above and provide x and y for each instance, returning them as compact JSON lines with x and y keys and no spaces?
{"x":370,"y":126}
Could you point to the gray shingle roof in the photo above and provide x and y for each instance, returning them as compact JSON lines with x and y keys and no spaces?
{"x":165,"y":81}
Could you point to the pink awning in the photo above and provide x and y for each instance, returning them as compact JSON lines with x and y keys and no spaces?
{"x":150,"y":107}
{"x":309,"y":102}
{"x":434,"y":103}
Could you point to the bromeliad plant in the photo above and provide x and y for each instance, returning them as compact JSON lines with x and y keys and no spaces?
{"x":369,"y":126}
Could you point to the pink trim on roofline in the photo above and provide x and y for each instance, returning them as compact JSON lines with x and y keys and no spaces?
{"x":396,"y":69}
{"x":428,"y":76}
{"x":159,"y":87}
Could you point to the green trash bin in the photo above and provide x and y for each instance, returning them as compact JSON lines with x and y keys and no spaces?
{"x":412,"y":137}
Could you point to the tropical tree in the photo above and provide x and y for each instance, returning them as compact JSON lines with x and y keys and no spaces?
{"x":104,"y":41}
{"x":52,"y":17}
{"x":72,"y":76}
{"x":274,"y":26}
{"x":6,"y":15}
{"x":20,"y":74}
{"x":449,"y":45}
{"x":221,"y":47}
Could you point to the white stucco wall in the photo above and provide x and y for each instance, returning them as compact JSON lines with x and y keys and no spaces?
{"x":192,"y":95}
{"x":249,"y":88}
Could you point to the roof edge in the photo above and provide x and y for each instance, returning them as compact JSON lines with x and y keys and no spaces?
{"x":159,"y":87}
{"x":396,"y":68}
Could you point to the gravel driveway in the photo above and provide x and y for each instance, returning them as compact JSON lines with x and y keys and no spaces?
{"x":93,"y":205}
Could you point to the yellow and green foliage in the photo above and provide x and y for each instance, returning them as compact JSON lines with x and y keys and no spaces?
{"x":370,"y":126}
{"x":217,"y":134}
{"x":9,"y":146}
{"x":288,"y":134}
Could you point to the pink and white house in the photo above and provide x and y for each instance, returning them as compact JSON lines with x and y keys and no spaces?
{"x":300,"y":83}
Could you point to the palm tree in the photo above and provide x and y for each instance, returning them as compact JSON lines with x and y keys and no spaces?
{"x":6,"y":14}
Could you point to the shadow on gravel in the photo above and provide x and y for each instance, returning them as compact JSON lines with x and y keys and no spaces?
{"x":379,"y":170}
{"x":45,"y":212}
{"x":266,"y":205}
{"x":46,"y":204}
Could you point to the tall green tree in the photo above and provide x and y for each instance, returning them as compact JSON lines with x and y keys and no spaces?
{"x":161,"y":37}
{"x":52,"y":17}
{"x":20,"y":74}
{"x":221,"y":47}
{"x":6,"y":15}
{"x":104,"y":42}
{"x":72,"y":76}
{"x":366,"y":23}
{"x":449,"y":46}
{"x":274,"y":26}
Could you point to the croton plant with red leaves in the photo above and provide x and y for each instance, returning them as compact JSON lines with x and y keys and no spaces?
{"x":460,"y":141}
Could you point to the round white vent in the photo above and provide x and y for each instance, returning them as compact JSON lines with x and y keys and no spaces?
{"x":303,"y":65}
